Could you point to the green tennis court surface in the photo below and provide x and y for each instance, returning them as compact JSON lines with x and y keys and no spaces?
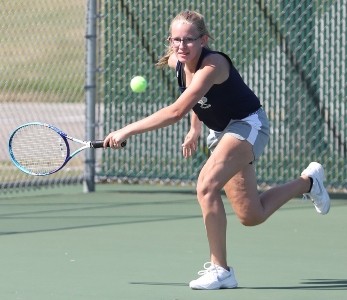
{"x":147,"y":242}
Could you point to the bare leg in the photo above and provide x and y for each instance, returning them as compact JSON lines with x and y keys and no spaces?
{"x":253,"y":209}
{"x":231,"y":160}
{"x":224,"y":163}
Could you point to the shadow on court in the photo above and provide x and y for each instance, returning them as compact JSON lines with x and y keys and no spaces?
{"x":314,"y":284}
{"x":323,"y":284}
{"x":147,"y":242}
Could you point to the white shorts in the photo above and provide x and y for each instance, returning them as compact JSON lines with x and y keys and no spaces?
{"x":254,"y":129}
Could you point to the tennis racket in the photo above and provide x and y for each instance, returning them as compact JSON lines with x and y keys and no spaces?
{"x":43,"y":149}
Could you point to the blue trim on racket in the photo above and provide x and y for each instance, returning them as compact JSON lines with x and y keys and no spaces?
{"x":42,"y":149}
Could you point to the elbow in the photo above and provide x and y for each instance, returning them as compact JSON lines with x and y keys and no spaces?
{"x":175,"y":112}
{"x":177,"y":115}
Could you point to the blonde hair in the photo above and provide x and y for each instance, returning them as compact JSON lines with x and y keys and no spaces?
{"x":188,"y":17}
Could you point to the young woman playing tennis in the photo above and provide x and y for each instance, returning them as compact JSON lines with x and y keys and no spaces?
{"x":216,"y":95}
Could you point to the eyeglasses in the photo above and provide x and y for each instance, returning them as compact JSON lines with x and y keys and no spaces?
{"x":186,"y":41}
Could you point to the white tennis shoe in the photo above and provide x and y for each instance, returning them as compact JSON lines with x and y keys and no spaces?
{"x":214,"y":277}
{"x":318,"y":193}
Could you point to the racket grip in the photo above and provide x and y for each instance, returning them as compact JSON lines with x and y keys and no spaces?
{"x":100,"y":144}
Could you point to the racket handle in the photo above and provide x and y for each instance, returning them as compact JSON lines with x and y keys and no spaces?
{"x":100,"y":144}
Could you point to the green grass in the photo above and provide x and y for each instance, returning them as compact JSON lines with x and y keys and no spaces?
{"x":43,"y":49}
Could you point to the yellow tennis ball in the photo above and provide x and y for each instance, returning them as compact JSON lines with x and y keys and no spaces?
{"x":138,"y":84}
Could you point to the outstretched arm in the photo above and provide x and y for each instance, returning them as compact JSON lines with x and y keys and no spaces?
{"x":162,"y":118}
{"x":213,"y":71}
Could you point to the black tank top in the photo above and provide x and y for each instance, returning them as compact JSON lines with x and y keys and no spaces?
{"x":232,"y":99}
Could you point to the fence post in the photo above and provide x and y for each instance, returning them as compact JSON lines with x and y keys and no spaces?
{"x":90,"y":95}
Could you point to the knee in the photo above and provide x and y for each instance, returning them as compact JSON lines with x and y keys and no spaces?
{"x":201,"y":192}
{"x":250,"y":219}
{"x":205,"y":193}
{"x":201,"y":189}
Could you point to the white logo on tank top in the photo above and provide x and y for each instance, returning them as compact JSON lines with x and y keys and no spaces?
{"x":203,"y":103}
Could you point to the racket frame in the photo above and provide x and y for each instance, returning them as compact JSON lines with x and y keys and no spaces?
{"x":65,"y":137}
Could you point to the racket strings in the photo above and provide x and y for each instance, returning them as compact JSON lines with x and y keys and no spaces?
{"x":39,"y":149}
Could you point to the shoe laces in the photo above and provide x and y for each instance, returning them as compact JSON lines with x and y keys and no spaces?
{"x":208,"y":267}
{"x":306,"y":197}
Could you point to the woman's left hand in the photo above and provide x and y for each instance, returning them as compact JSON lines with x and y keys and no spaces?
{"x":190,"y":144}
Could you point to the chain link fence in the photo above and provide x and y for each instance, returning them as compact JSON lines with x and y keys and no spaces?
{"x":42,"y":78}
{"x":292,"y":54}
